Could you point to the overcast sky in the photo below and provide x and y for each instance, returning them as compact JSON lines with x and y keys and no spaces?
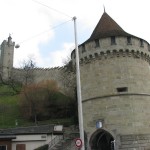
{"x":46,"y":34}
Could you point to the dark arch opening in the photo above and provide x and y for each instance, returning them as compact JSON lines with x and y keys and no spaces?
{"x":102,"y":140}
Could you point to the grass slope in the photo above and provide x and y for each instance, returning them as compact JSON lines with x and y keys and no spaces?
{"x":9,"y":112}
{"x":10,"y":115}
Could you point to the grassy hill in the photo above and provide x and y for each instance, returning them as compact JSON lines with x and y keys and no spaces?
{"x":10,"y":115}
{"x":9,"y":111}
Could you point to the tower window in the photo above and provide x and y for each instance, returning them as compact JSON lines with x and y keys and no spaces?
{"x":122,"y":89}
{"x":129,"y":40}
{"x":141,"y":43}
{"x":113,"y":40}
{"x":83,"y":48}
{"x":97,"y":43}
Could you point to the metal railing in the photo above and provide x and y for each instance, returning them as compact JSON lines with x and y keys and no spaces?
{"x":54,"y":141}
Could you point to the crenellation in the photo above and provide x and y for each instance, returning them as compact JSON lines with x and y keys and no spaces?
{"x":116,"y":53}
{"x":59,"y":74}
{"x":91,"y":49}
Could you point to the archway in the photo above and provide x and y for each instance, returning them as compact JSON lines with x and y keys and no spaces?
{"x":102,"y":140}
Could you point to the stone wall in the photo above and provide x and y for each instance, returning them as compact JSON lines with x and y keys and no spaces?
{"x":65,"y":79}
{"x":138,"y":142}
{"x":115,"y":107}
{"x":115,"y":85}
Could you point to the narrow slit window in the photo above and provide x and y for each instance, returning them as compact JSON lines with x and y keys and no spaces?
{"x":97,"y":43}
{"x":141,"y":43}
{"x":113,"y":40}
{"x":83,"y":48}
{"x":122,"y":89}
{"x":129,"y":40}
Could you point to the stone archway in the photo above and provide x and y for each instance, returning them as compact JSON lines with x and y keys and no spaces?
{"x":102,"y":140}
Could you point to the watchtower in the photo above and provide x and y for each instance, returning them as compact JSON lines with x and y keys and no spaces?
{"x":6,"y":58}
{"x":115,"y":88}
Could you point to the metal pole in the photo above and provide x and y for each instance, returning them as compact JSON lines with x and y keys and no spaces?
{"x":80,"y":113}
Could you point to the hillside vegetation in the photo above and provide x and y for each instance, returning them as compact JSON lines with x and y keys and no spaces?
{"x":10,"y":114}
{"x":9,"y":111}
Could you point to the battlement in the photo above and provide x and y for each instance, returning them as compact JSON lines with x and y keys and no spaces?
{"x":61,"y":75}
{"x":45,"y":70}
{"x":104,"y":48}
{"x":8,"y":42}
{"x":117,"y":53}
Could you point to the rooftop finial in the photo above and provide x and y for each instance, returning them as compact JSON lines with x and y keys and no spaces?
{"x":9,"y":39}
{"x":104,"y":8}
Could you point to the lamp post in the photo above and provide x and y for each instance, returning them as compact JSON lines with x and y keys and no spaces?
{"x":80,"y":113}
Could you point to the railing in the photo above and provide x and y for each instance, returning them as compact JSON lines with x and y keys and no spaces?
{"x":64,"y":142}
{"x":69,"y":141}
{"x":54,"y":141}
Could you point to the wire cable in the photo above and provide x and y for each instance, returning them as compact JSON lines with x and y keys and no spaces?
{"x":54,"y":27}
{"x":62,"y":13}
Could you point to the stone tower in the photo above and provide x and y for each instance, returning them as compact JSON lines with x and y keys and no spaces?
{"x":6,"y":58}
{"x":115,"y":88}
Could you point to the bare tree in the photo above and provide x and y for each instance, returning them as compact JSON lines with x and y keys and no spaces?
{"x":19,"y":77}
{"x":12,"y":82}
{"x":68,"y":78}
{"x":28,"y":71}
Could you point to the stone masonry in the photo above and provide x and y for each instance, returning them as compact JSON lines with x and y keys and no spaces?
{"x":115,"y":81}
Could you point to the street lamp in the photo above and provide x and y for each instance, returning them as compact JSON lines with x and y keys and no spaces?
{"x":80,"y":113}
{"x":17,"y":46}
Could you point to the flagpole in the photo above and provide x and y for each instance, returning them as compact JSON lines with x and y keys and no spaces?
{"x":80,"y":113}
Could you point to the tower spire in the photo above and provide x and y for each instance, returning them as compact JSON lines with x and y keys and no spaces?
{"x":104,"y":8}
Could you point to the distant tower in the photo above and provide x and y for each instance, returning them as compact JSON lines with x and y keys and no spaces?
{"x":6,"y":58}
{"x":115,"y":88}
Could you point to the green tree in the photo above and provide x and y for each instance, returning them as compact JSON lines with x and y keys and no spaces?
{"x":33,"y":101}
{"x":44,"y":101}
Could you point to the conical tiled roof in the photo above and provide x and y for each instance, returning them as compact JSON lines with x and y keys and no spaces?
{"x":107,"y":27}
